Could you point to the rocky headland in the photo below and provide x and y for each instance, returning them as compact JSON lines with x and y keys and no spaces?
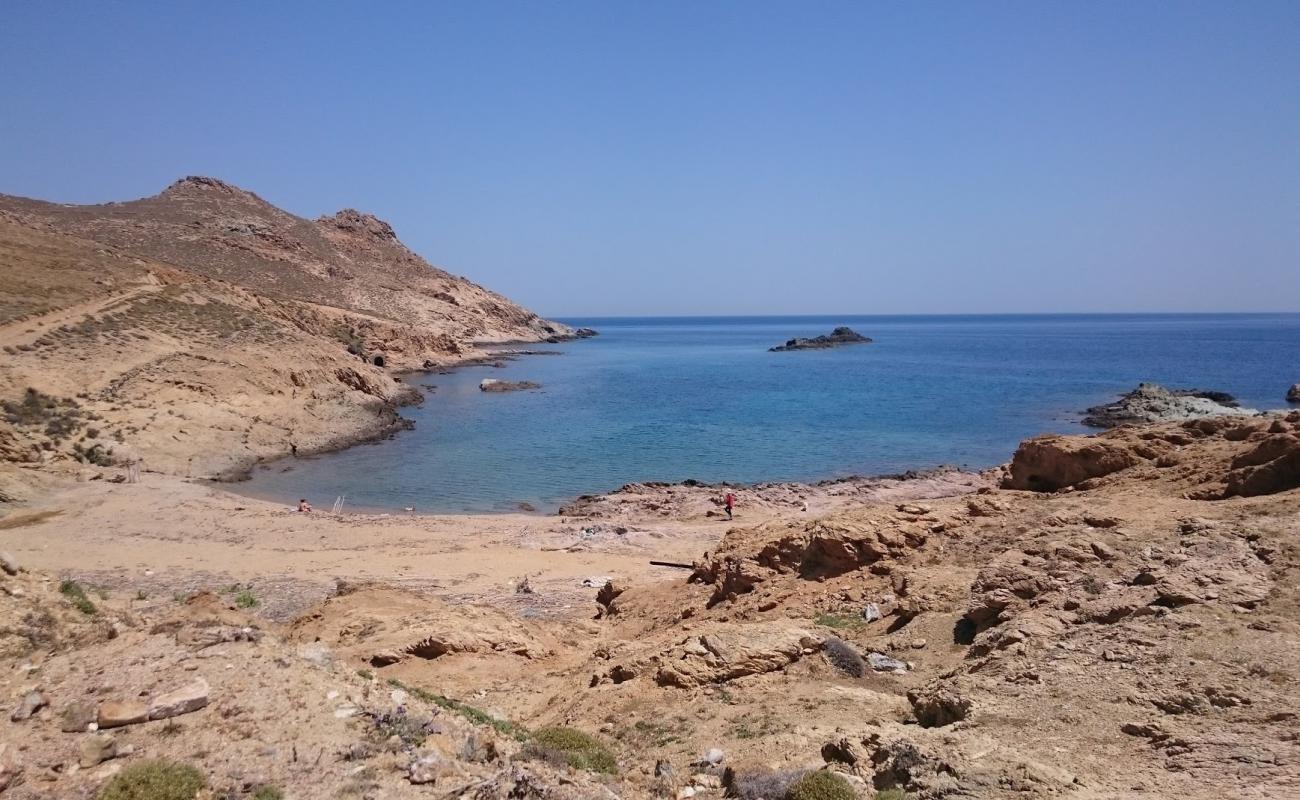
{"x":1150,"y":403}
{"x":201,"y":330}
{"x":840,"y":336}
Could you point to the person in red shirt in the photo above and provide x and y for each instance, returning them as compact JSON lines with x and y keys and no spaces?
{"x":729,"y":502}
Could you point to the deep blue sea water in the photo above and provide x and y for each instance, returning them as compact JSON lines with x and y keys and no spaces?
{"x":675,"y":398}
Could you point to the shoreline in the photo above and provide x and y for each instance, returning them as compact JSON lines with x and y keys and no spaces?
{"x":243,"y":473}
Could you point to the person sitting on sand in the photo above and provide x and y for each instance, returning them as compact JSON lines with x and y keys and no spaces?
{"x":304,"y":506}
{"x":729,"y":502}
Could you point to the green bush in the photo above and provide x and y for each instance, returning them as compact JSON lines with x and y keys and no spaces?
{"x":246,"y":599}
{"x":891,"y":794}
{"x":154,"y":780}
{"x":821,"y":785}
{"x":73,"y":591}
{"x":575,"y":748}
{"x":268,"y":793}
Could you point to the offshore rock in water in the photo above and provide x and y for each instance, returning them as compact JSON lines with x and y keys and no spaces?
{"x":837,"y":337}
{"x":1150,"y":403}
{"x":494,"y":385}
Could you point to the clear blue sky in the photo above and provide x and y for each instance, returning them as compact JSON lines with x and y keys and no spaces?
{"x":711,"y":157}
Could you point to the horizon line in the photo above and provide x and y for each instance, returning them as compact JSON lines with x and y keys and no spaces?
{"x":934,"y":314}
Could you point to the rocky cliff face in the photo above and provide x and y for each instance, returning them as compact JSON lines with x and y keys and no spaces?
{"x":203,"y":329}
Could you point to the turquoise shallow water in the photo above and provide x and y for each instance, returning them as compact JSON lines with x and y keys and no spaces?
{"x":675,"y":398}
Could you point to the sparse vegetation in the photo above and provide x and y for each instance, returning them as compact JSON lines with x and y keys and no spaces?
{"x":657,"y":734}
{"x":366,"y":674}
{"x":765,"y":726}
{"x":474,"y":715}
{"x":573,"y":748}
{"x":246,"y":599}
{"x":154,"y":780}
{"x":843,"y":622}
{"x":268,"y":793}
{"x":74,"y":592}
{"x":1093,"y":585}
{"x":891,"y":794}
{"x":764,"y":784}
{"x":410,"y":728}
{"x":844,"y":657}
{"x":821,"y":785}
{"x":58,"y":418}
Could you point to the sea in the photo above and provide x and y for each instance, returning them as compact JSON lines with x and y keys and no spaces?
{"x":675,"y":398}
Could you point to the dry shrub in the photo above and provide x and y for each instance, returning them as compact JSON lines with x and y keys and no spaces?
{"x":844,"y":657}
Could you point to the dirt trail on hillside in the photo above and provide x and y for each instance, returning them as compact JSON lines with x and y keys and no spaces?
{"x":29,"y":330}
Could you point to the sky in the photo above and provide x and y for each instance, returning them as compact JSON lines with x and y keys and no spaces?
{"x":630,"y":158}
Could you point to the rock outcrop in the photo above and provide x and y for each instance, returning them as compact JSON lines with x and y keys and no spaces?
{"x":495,"y":385}
{"x":1293,"y":394}
{"x":1234,"y":456}
{"x":840,"y":336}
{"x":1150,"y":403}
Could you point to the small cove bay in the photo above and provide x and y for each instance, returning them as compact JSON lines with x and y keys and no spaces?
{"x":672,"y":398}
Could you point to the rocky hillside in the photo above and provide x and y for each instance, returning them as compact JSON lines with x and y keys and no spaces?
{"x":203,"y":329}
{"x":349,"y":260}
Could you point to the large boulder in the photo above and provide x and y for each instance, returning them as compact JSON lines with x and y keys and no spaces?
{"x":1049,"y":463}
{"x":725,"y":655}
{"x":1293,"y":394}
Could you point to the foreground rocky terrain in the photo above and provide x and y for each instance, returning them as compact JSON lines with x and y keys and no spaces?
{"x":203,"y":329}
{"x":1107,"y":616}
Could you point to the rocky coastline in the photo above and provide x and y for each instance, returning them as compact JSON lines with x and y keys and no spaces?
{"x":933,"y":634}
{"x":1152,"y":403}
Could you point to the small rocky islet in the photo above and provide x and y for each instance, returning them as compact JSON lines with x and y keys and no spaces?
{"x":1151,"y":403}
{"x":840,"y":336}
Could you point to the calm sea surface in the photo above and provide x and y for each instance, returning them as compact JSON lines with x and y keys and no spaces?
{"x":700,"y":397}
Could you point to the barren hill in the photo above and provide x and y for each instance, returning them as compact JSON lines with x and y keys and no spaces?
{"x":349,"y":260}
{"x":203,"y":329}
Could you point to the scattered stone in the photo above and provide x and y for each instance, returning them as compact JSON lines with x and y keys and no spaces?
{"x":937,"y":706}
{"x":872,"y":612}
{"x":883,"y":663}
{"x":9,"y":564}
{"x":30,"y":703}
{"x":1293,"y":394}
{"x":1101,"y":551}
{"x":116,"y":714}
{"x":430,"y":767}
{"x":76,"y":717}
{"x":664,"y":769}
{"x":188,"y":698}
{"x":712,"y":758}
{"x":316,"y":654}
{"x":97,"y":749}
